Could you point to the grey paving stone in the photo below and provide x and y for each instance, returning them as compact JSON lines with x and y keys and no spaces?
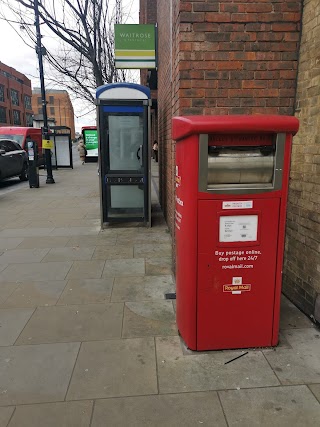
{"x":148,"y":318}
{"x":43,"y":242}
{"x":12,"y":321}
{"x":75,"y":231}
{"x":152,"y":250}
{"x":141,"y":288}
{"x":158,"y":266}
{"x":86,"y":270}
{"x":25,"y":232}
{"x":124,"y":267}
{"x":5,"y":415}
{"x":173,"y":410}
{"x":87,"y":291}
{"x":36,"y":373}
{"x":89,"y":241}
{"x":113,"y":252}
{"x":9,"y":242}
{"x":315,"y":388}
{"x":201,"y":372}
{"x":301,"y":363}
{"x":6,"y":289}
{"x":35,"y":271}
{"x":143,"y":237}
{"x":304,"y":339}
{"x":291,"y":317}
{"x":62,"y":414}
{"x":73,"y":323}
{"x":114,"y":368}
{"x":2,"y":267}
{"x":69,"y":254}
{"x":275,"y":406}
{"x":33,"y":294}
{"x":17,"y":256}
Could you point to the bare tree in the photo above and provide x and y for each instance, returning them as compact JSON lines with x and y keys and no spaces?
{"x":84,"y":28}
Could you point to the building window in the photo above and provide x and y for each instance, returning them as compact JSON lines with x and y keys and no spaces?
{"x":39,"y":101}
{"x":29,"y":120}
{"x":3,"y":115}
{"x":40,"y":111}
{"x":51,"y":99}
{"x":27,"y":102}
{"x":14,"y":97}
{"x":52,"y":110}
{"x":16,"y":117}
{"x":1,"y":93}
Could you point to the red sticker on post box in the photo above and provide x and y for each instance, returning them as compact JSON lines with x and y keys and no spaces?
{"x":237,"y":287}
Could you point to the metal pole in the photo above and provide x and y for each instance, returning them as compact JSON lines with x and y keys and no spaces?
{"x":45,"y":130}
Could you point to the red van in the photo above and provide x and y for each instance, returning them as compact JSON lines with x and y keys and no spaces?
{"x":22,"y":135}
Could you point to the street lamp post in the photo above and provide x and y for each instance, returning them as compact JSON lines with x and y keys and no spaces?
{"x":45,"y":130}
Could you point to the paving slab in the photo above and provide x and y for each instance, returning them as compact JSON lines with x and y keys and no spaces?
{"x":291,"y":317}
{"x":75,"y":231}
{"x":173,"y":410}
{"x":89,"y":241}
{"x":12,"y":321}
{"x":9,"y":242}
{"x":124,"y":267}
{"x":143,"y":237}
{"x":61,"y":414}
{"x":148,"y":318}
{"x":86,"y":270}
{"x":36,"y":373}
{"x":87,"y":291}
{"x":304,"y":339}
{"x":35,"y":271}
{"x":315,"y":388}
{"x":43,"y":242}
{"x":294,"y":366}
{"x":152,"y":250}
{"x":202,"y":372}
{"x":26,"y":232}
{"x":6,"y":289}
{"x":33,"y":294}
{"x":73,"y":323}
{"x":278,"y":407}
{"x":3,"y":267}
{"x":158,"y":266}
{"x":113,"y":252}
{"x":69,"y":254}
{"x":17,"y":256}
{"x":137,"y":288}
{"x":114,"y":368}
{"x":5,"y":415}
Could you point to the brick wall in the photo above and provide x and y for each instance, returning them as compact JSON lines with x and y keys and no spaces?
{"x":13,"y":79}
{"x":223,"y":57}
{"x":302,"y":260}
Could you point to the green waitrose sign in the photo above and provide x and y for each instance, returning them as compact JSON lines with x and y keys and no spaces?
{"x":135,"y":46}
{"x":91,"y":142}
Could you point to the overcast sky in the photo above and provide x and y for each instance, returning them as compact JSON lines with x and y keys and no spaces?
{"x":15,"y":53}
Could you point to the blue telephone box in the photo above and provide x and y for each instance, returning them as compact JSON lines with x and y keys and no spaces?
{"x":123,"y":123}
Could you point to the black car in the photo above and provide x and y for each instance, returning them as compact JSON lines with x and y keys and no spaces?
{"x":13,"y":160}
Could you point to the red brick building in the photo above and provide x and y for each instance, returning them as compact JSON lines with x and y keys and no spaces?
{"x":15,"y":98}
{"x":223,"y":57}
{"x":244,"y":57}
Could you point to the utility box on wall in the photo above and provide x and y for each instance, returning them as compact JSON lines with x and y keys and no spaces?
{"x":232,"y":175}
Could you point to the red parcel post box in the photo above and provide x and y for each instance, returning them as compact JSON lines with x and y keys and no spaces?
{"x":232,"y":175}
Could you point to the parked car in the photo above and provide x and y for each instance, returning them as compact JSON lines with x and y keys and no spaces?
{"x":13,"y":160}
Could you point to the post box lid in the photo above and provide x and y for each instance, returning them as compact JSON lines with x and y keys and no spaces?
{"x":183,"y":126}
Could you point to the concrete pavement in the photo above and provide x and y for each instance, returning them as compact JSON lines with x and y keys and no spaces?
{"x":87,"y":338}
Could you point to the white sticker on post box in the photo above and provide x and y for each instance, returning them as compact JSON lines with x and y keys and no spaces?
{"x":238,"y":228}
{"x":240,"y":204}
